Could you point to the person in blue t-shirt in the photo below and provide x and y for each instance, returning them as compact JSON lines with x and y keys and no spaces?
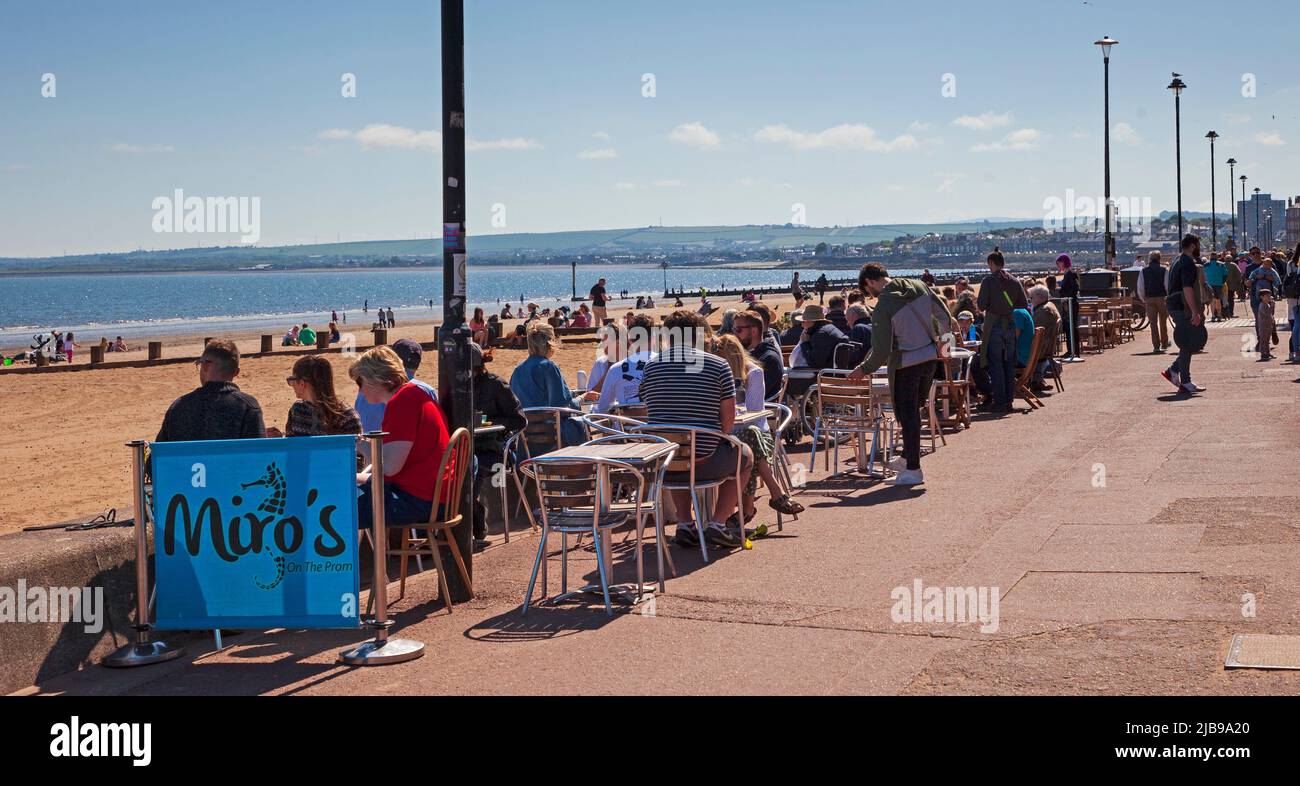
{"x":372,"y":415}
{"x":1024,"y":335}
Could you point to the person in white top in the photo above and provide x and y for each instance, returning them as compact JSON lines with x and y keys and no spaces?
{"x":749,"y":388}
{"x":611,"y":348}
{"x":622,"y":381}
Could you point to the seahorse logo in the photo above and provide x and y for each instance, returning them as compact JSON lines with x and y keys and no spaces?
{"x":279,"y":573}
{"x":274,"y":479}
{"x":273,"y":504}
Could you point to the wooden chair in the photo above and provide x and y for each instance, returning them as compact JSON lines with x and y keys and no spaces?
{"x":445,"y":517}
{"x":950,"y":398}
{"x":1027,"y":373}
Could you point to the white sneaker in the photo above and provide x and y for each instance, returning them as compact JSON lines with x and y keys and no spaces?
{"x":908,"y":477}
{"x":898,"y":463}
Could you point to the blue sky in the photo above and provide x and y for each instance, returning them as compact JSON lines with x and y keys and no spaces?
{"x":759,"y":105}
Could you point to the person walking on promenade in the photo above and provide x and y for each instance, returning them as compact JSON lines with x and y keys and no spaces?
{"x":1266,"y":324}
{"x":1151,"y":291}
{"x":1069,"y":290}
{"x":1261,"y":278}
{"x":906,"y":329}
{"x":1000,"y":295}
{"x":1291,"y":290}
{"x":1186,"y":311}
{"x":1216,"y":273}
{"x":1231,"y":285}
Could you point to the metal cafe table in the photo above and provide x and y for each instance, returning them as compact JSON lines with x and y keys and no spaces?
{"x":645,"y":457}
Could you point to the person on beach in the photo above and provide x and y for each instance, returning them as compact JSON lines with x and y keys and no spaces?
{"x":581,"y":317}
{"x":1266,"y":324}
{"x":1151,"y":291}
{"x":306,"y":336}
{"x":291,"y":338}
{"x":335,"y":337}
{"x":597,"y":295}
{"x":820,"y":286}
{"x":383,"y":318}
{"x":365,"y":309}
{"x":750,"y":394}
{"x":317,"y":410}
{"x":68,"y":346}
{"x":217,"y":409}
{"x":906,"y":336}
{"x":334,"y":316}
{"x":119,"y":345}
{"x":538,"y":382}
{"x":478,"y":328}
{"x":1186,"y":311}
{"x":1000,"y":295}
{"x":927,"y":277}
{"x":392,"y":320}
{"x":413,"y":447}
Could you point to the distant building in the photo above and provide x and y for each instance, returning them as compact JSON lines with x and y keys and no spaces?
{"x":1260,"y":207}
{"x":1293,"y":222}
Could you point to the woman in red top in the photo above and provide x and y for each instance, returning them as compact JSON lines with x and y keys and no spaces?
{"x":417,"y":437}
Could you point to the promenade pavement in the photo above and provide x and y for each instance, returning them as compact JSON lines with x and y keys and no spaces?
{"x":1129,"y":533}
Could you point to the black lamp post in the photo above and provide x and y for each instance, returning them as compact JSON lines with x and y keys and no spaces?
{"x":1257,"y":225}
{"x":1232,"y":176}
{"x":1106,"y":43}
{"x":1245,"y":239}
{"x":1177,"y":85}
{"x":1214,"y":226}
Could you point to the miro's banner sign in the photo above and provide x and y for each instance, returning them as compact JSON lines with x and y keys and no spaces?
{"x":256,"y":533}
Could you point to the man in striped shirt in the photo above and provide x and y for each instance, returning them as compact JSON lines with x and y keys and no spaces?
{"x":686,"y":386}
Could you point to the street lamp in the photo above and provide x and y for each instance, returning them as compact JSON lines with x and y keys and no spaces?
{"x":1257,"y":226}
{"x":1245,"y":239}
{"x":1106,"y":43}
{"x":1214,"y":227}
{"x":1232,"y":168}
{"x":1177,"y":85}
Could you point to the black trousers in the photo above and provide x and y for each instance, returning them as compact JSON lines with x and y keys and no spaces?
{"x":911,"y":389}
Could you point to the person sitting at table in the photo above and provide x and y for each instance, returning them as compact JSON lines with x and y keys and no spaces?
{"x":318,"y":411}
{"x":1024,"y":323}
{"x":413,"y":447}
{"x":967,"y":328}
{"x":859,"y":322}
{"x":410,"y":352}
{"x":217,"y":409}
{"x":1048,"y":318}
{"x":611,"y":345}
{"x":835,"y":313}
{"x":816,"y":349}
{"x":749,"y":380}
{"x":793,"y":334}
{"x":749,"y":330}
{"x":622,"y":382}
{"x":494,"y":401}
{"x":538,"y":382}
{"x":687,"y":387}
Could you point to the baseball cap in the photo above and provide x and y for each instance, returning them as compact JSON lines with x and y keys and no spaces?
{"x":409,"y":351}
{"x":966,"y":315}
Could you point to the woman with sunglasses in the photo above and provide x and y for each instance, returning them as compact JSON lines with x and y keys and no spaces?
{"x":318,"y":411}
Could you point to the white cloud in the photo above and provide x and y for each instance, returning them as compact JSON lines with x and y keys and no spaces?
{"x":984,"y":122}
{"x":602,"y":153}
{"x":669,"y":183}
{"x":695,"y":135}
{"x":1237,"y":119}
{"x":947,"y":181}
{"x":1270,"y":138}
{"x":1021,"y":139}
{"x":1125,"y":134}
{"x":123,"y":147}
{"x":378,"y":135}
{"x":602,"y":136}
{"x":841,"y":137}
{"x":626,"y":186}
{"x":918,"y":126}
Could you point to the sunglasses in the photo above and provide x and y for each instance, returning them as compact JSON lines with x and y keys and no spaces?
{"x":292,"y":380}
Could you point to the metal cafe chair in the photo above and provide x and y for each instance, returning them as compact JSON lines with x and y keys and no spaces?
{"x":683,"y":463}
{"x":779,"y":419}
{"x":542,"y":433}
{"x":650,"y":505}
{"x":845,"y":407}
{"x":574,"y":499}
{"x":446,"y":516}
{"x":609,"y":424}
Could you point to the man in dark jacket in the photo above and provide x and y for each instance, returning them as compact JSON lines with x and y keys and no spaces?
{"x":494,"y":400}
{"x":1000,"y":295}
{"x":218,"y":409}
{"x":859,"y":324}
{"x":835,"y":313}
{"x":749,"y":329}
{"x":820,"y":338}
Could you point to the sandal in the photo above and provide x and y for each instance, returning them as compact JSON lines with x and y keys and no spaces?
{"x":784,"y":504}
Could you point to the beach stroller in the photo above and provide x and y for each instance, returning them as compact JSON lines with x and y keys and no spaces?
{"x":46,"y":346}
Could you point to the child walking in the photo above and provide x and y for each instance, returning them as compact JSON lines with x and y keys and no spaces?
{"x":1265,"y":324}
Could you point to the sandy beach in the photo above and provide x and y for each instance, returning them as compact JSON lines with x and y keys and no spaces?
{"x":63,"y":435}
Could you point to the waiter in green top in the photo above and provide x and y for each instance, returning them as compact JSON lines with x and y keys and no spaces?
{"x":911,"y":328}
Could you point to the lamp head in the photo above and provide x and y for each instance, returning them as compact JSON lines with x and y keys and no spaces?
{"x":1177,"y":85}
{"x":1106,"y":43}
{"x":1212,"y":135}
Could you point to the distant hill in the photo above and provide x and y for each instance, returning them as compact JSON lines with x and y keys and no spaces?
{"x":493,"y":248}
